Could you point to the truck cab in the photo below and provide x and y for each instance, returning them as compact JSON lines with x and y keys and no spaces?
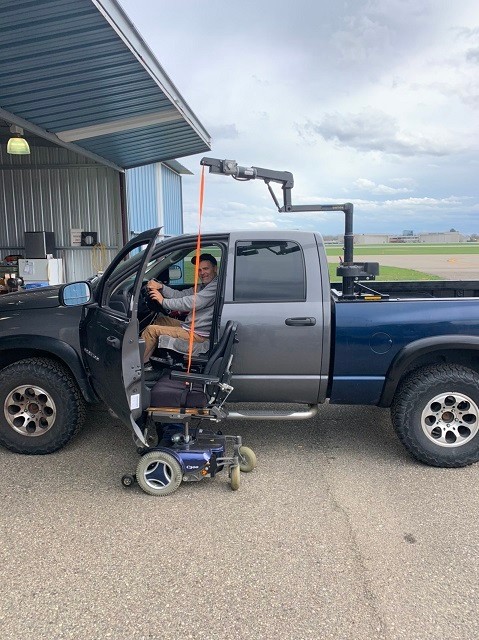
{"x":269,"y":284}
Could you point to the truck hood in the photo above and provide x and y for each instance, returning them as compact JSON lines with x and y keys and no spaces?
{"x":42,"y":298}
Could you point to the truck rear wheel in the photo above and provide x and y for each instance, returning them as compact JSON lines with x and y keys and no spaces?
{"x":41,"y":406}
{"x":436,"y":415}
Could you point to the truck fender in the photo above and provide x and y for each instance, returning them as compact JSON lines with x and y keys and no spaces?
{"x":411,"y":352}
{"x":61,"y":350}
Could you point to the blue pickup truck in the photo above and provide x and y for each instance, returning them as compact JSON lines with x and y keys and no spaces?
{"x":410,"y":346}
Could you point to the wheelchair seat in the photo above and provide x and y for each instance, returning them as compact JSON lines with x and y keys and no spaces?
{"x":177,"y":392}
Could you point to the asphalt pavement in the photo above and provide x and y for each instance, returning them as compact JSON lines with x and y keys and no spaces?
{"x":338,"y":534}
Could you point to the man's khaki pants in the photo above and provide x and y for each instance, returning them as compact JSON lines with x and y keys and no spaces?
{"x":164,"y":326}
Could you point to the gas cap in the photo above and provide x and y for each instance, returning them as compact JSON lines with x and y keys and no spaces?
{"x":380,"y":342}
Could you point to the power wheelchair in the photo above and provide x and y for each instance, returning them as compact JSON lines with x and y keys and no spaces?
{"x":180,"y":403}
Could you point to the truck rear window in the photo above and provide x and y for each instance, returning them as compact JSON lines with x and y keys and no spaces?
{"x":271,"y":271}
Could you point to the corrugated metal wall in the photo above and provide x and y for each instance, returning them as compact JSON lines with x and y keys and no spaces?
{"x":172,"y":201}
{"x":54,"y":189}
{"x":142,"y":199}
{"x":57,"y":190}
{"x":154,"y":199}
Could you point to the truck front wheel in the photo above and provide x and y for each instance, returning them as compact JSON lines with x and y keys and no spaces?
{"x":436,"y":415}
{"x":41,"y":406}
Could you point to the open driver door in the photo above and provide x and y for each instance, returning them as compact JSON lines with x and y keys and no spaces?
{"x":110,"y":332}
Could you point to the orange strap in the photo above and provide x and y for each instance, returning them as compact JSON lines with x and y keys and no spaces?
{"x":197,"y":266}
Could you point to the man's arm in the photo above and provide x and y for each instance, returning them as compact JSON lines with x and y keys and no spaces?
{"x":167,"y":292}
{"x":159,"y":292}
{"x":204,"y":298}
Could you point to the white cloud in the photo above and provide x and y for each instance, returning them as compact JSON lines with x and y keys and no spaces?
{"x":374,"y":130}
{"x":380,"y":189}
{"x":373,"y":98}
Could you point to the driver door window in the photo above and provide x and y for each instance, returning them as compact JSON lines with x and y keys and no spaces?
{"x":118,"y":295}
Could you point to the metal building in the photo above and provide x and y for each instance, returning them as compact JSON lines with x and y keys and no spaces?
{"x":154,"y":197}
{"x":92,"y":101}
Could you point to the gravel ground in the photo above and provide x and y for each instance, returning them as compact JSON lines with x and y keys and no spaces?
{"x":337,"y":534}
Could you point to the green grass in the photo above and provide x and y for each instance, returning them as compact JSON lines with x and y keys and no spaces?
{"x":407,"y":249}
{"x":389,"y":274}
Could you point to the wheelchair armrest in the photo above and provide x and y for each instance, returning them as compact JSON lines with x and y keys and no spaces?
{"x":194,"y":377}
{"x":201,"y":359}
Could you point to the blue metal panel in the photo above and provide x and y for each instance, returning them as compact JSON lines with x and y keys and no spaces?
{"x":370,"y":334}
{"x":69,"y":64}
{"x":142,"y":198}
{"x":153,"y":143}
{"x":172,"y":202}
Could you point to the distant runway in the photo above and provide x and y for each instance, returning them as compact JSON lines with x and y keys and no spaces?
{"x":448,"y":266}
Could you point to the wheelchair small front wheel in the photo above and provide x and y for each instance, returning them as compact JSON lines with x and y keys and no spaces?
{"x":158,"y":473}
{"x":127,"y":480}
{"x":247,"y":459}
{"x":235,"y":478}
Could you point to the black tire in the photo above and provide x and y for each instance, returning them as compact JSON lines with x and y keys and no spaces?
{"x":41,"y":407}
{"x":247,"y":458}
{"x":127,"y":480}
{"x":159,"y":473}
{"x":436,"y":415}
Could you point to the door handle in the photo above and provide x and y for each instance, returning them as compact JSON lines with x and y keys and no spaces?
{"x":300,"y":322}
{"x":113,"y":342}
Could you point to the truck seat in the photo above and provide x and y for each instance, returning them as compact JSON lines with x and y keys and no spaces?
{"x":177,"y":350}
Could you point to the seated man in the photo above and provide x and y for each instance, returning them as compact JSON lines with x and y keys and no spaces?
{"x":173,"y":300}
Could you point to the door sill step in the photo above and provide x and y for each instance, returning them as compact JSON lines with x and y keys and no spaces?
{"x":265,"y":414}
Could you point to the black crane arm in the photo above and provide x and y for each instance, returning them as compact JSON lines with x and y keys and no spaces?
{"x":349,"y":270}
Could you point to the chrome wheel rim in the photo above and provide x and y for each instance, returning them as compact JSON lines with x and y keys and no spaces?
{"x":450,"y":419}
{"x":30,"y":410}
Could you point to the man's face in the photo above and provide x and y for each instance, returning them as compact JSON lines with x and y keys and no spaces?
{"x":206,"y":271}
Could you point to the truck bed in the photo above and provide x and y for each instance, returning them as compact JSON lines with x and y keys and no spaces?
{"x":420,"y":289}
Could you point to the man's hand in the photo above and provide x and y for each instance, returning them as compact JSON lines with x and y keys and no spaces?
{"x":156,"y":295}
{"x":153,"y":285}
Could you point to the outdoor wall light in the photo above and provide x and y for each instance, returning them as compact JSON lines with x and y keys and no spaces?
{"x":17,"y":145}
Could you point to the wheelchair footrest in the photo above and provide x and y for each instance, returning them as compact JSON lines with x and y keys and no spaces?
{"x":208,"y":413}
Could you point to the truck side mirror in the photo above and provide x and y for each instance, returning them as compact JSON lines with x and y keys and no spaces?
{"x":75,"y":294}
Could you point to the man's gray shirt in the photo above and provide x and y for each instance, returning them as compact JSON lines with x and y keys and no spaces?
{"x":175,"y":300}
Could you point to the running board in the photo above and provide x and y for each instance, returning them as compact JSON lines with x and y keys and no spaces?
{"x":273,"y":415}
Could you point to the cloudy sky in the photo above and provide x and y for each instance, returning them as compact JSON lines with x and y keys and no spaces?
{"x":374,"y":102}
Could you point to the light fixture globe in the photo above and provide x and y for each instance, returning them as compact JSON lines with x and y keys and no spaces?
{"x":18,"y":146}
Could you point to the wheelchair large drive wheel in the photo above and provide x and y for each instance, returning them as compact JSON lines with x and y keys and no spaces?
{"x":158,"y":473}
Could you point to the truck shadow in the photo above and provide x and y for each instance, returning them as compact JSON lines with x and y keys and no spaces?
{"x":104,"y":450}
{"x":337,"y":431}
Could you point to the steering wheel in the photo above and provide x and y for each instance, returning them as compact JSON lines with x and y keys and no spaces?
{"x":148,"y":308}
{"x":145,"y":303}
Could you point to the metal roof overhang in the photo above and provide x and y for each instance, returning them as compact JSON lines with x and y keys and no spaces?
{"x":78,"y":74}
